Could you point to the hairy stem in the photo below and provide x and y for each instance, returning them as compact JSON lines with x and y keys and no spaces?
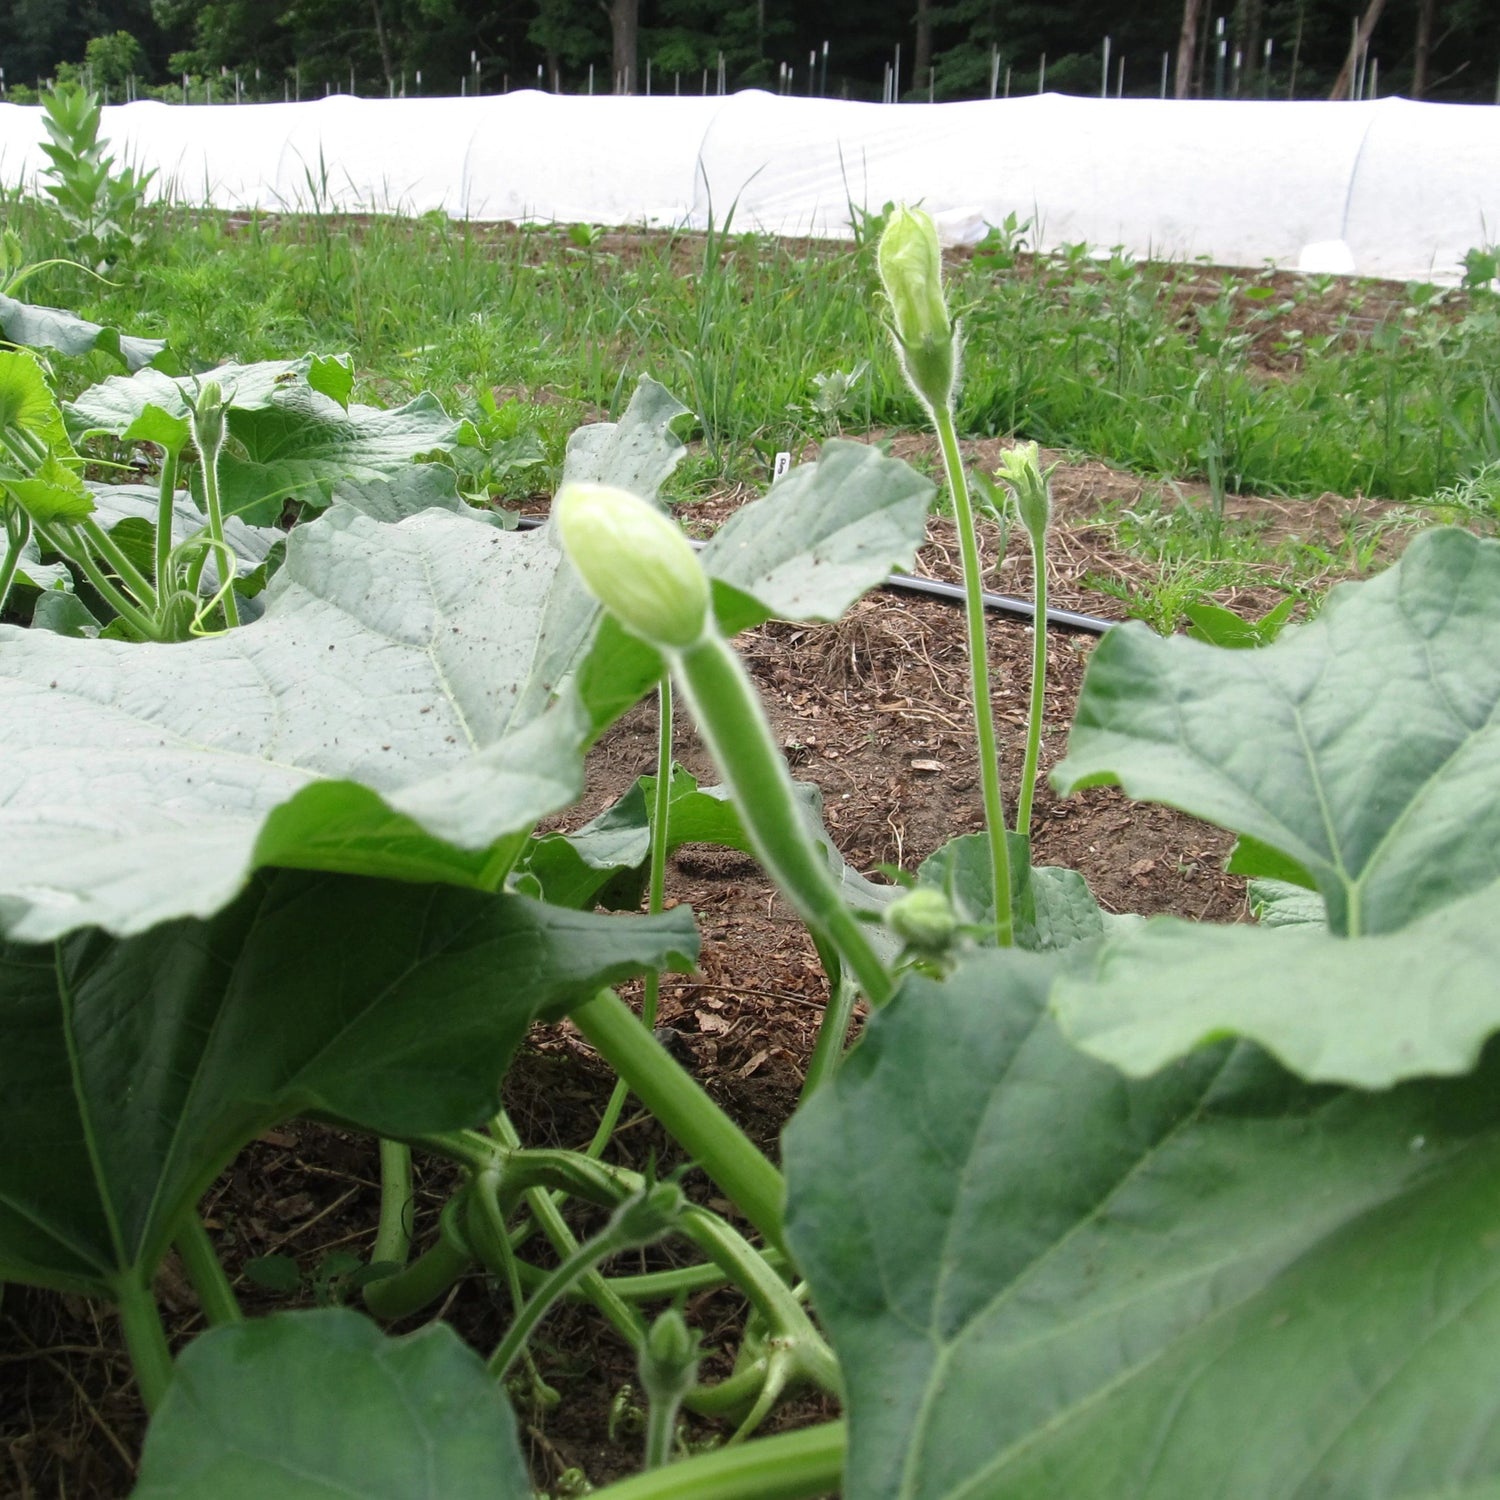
{"x":828,"y":1050}
{"x":656,"y":897}
{"x":17,"y":534}
{"x":145,"y":1340}
{"x":206,"y":1272}
{"x":733,"y":726}
{"x":393,"y":1234}
{"x":713,"y":1140}
{"x":216,"y":531}
{"x":1038,"y":687}
{"x":166,"y":495}
{"x":979,"y":677}
{"x":790,"y":1466}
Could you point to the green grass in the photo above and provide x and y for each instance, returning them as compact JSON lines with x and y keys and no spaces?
{"x":775,"y":344}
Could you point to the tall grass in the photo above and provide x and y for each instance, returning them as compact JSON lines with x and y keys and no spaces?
{"x":1163,"y":369}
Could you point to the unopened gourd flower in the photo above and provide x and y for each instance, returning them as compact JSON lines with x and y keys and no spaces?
{"x":635,"y":561}
{"x":1021,"y":470}
{"x":910,"y":261}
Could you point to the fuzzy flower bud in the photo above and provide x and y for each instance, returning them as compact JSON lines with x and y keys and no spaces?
{"x":911,"y":270}
{"x":208,"y":419}
{"x":669,"y":1359}
{"x":923,"y":919}
{"x":1021,"y":470}
{"x":645,"y":1216}
{"x":635,"y":562}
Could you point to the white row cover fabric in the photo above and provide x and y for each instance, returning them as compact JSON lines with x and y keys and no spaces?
{"x":1386,"y":188}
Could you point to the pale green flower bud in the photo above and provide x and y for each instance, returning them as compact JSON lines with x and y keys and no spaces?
{"x":669,"y":1359}
{"x":911,"y":270}
{"x":208,"y":419}
{"x":645,"y":1216}
{"x":635,"y":562}
{"x":1021,"y":470}
{"x":923,"y":919}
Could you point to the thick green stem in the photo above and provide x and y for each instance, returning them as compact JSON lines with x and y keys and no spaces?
{"x":979,"y":677}
{"x":1038,"y":686}
{"x":660,"y":1286}
{"x":17,"y":534}
{"x":772,"y":1298}
{"x":656,"y":898}
{"x":661,"y":1429}
{"x":166,"y":496}
{"x":626,"y":1320}
{"x":216,"y":531}
{"x":790,"y":1466}
{"x":733,"y":726}
{"x":687,"y":1114}
{"x":131,"y":576}
{"x":76,"y":550}
{"x":828,"y":1050}
{"x":393,"y":1235}
{"x":425,"y":1280}
{"x":145,"y":1340}
{"x":578,"y":1263}
{"x":206,"y":1272}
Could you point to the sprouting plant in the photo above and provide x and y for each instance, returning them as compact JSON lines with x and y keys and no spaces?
{"x":98,"y":203}
{"x":911,"y":270}
{"x":1021,"y":471}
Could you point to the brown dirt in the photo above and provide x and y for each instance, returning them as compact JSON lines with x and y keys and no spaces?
{"x":874,"y":710}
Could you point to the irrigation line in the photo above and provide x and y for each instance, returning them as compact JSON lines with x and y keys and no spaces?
{"x":907,"y":583}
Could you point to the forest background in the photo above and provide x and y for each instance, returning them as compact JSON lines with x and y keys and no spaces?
{"x":1447,"y":50}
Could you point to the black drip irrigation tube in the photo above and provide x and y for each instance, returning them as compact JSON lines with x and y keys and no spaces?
{"x":935,"y":588}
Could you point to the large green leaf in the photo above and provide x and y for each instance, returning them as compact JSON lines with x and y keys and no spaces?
{"x":822,"y":537}
{"x":323,"y":1406}
{"x":1051,"y":907}
{"x":303,"y":446}
{"x":55,"y":328}
{"x":1046,"y":1280}
{"x":1360,"y":755}
{"x":399,"y":710}
{"x":116,"y":407}
{"x":1367,"y":1011}
{"x":27,"y":404}
{"x":133,"y":1070}
{"x":1363,"y":747}
{"x":385,"y":716}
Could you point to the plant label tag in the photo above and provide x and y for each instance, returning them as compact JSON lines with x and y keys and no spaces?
{"x":779,"y":468}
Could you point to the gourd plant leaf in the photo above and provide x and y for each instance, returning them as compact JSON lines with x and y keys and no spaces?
{"x":310,"y":1405}
{"x":1043,"y":1278}
{"x":1053,"y":907}
{"x":1358,"y":755}
{"x":27,"y":404}
{"x":383,"y":717}
{"x":605,"y":861}
{"x":1364,"y":746}
{"x":67,"y":333}
{"x":1367,"y":1011}
{"x":399,"y":710}
{"x":134,"y":1069}
{"x":824,"y":535}
{"x":296,"y":435}
{"x":302,"y":446}
{"x":637,"y":453}
{"x":114,"y":407}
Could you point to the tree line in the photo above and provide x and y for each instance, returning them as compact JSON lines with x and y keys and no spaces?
{"x":914,"y":49}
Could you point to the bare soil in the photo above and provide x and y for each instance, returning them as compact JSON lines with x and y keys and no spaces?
{"x":873,"y":710}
